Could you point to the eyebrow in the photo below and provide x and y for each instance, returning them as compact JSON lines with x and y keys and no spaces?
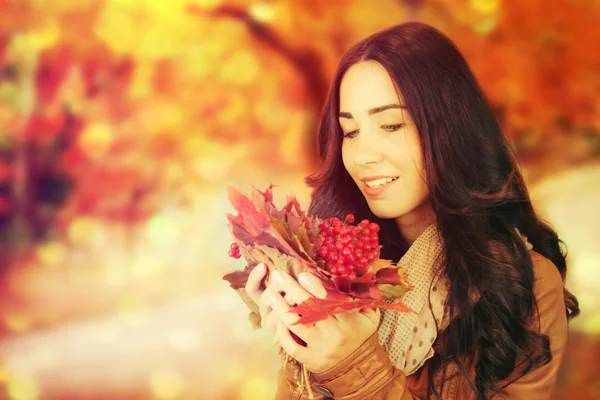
{"x":372,"y":111}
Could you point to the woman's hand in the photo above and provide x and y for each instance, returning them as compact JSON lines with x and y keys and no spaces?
{"x":261,"y":296}
{"x":328,"y":342}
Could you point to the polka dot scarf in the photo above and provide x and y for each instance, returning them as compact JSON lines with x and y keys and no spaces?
{"x":408,"y":338}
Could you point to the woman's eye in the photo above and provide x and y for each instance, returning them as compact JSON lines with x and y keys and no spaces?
{"x":392,"y":128}
{"x":389,"y":128}
{"x":350,"y":135}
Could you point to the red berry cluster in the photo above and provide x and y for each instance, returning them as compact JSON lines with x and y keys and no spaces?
{"x":234,"y":250}
{"x":348,"y":249}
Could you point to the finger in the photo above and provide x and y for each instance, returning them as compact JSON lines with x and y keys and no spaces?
{"x":278,"y":303}
{"x":372,"y":314}
{"x":366,"y":310}
{"x":291,"y":287}
{"x":253,"y":284}
{"x":264,"y":313}
{"x":282,"y":309}
{"x":353,"y":317}
{"x":271,"y":322}
{"x":350,"y":317}
{"x":264,"y":303}
{"x":377,"y":316}
{"x":312,"y":284}
{"x":291,"y":321}
{"x":294,"y":349}
{"x":289,"y":300}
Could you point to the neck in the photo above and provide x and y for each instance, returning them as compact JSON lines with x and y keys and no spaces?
{"x":413,"y":224}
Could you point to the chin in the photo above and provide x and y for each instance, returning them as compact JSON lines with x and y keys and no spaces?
{"x":386,"y":214}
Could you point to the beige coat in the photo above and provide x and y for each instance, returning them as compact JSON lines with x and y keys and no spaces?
{"x":369,"y":374}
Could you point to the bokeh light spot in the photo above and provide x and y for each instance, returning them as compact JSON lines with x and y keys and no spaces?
{"x":207,"y":4}
{"x":242,"y":68}
{"x":140,"y":86}
{"x":167,"y":384}
{"x":52,"y":253}
{"x":45,"y":36}
{"x":485,"y":25}
{"x":235,"y":109}
{"x":262,"y":12}
{"x":115,"y":30}
{"x":96,"y":139}
{"x":256,"y":387}
{"x":162,"y":230}
{"x":235,"y":373}
{"x":83,"y":230}
{"x":145,"y":266}
{"x":22,"y":387}
{"x":485,"y":6}
{"x":17,"y":322}
{"x":593,"y":325}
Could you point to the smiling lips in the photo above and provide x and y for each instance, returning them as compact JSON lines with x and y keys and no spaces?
{"x":376,"y":185}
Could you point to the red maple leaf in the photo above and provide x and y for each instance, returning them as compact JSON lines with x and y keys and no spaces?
{"x":316,"y":309}
{"x":287,"y":239}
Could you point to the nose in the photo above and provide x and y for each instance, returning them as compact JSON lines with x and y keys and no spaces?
{"x":367,"y":151}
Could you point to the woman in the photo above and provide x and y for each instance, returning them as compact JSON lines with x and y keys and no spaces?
{"x":408,"y":140}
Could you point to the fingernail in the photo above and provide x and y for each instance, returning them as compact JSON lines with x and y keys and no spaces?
{"x":312,"y":283}
{"x":277,"y":275}
{"x":304,"y":279}
{"x":272,"y":298}
{"x":261,"y":267}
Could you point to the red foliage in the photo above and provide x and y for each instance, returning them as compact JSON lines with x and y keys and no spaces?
{"x":289,"y":240}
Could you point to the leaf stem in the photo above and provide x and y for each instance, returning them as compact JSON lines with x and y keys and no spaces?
{"x":306,"y":373}
{"x":301,"y":375}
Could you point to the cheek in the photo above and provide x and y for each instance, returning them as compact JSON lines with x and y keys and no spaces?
{"x":420,"y":167}
{"x":413,"y":145}
{"x":420,"y":178}
{"x":423,"y":190}
{"x":414,"y":193}
{"x":414,"y":171}
{"x":347,"y":160}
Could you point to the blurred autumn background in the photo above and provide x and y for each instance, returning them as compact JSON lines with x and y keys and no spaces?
{"x":122,"y":122}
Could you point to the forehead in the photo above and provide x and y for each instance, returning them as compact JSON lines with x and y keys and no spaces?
{"x":366,"y":85}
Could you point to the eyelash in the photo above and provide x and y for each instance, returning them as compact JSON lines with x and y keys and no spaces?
{"x":389,"y":128}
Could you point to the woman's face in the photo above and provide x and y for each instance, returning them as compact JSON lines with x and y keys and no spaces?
{"x":381,"y":140}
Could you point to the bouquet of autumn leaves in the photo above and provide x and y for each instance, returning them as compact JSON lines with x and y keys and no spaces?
{"x":343,"y":256}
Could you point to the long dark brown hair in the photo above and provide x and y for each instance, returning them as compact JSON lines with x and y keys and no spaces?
{"x":477,"y":192}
